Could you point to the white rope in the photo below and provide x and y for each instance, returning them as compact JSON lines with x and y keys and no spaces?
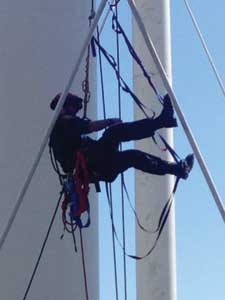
{"x":52,"y":123}
{"x":219,"y":80}
{"x":177,"y":108}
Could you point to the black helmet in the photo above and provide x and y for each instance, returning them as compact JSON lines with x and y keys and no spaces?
{"x":71,"y":98}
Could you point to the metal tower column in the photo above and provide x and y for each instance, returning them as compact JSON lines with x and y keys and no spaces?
{"x":156,"y":275}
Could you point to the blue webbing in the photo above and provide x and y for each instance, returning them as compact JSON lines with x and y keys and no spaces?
{"x":111,"y":60}
{"x":118,"y":28}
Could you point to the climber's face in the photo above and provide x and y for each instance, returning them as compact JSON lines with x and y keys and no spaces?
{"x":73,"y":107}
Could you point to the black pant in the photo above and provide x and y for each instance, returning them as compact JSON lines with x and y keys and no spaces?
{"x":106,"y":161}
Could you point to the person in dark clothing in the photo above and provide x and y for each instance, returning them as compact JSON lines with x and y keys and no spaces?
{"x":103,"y":157}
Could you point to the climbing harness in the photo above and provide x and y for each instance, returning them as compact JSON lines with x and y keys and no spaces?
{"x":76,"y":189}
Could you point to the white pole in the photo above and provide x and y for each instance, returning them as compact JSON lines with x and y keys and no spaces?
{"x":177,"y":108}
{"x":156,"y":274}
{"x":51,"y":124}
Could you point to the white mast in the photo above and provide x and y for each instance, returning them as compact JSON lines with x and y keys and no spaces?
{"x":156,"y":275}
{"x":41,"y":41}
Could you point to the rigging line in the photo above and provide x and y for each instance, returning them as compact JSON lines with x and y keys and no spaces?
{"x":85,"y":82}
{"x":104,"y":20}
{"x":109,"y":198}
{"x":106,"y":185}
{"x":83,"y":263}
{"x":135,"y":56}
{"x":124,"y":237}
{"x":104,"y":114}
{"x":118,"y":67}
{"x":205,"y":47}
{"x":135,"y":213}
{"x":124,"y":86}
{"x":122,"y":175}
{"x":43,"y":247}
{"x":73,"y":234}
{"x":178,"y":110}
{"x":162,"y":221}
{"x":114,"y":244}
{"x":101,"y":76}
{"x":44,"y":141}
{"x":107,"y":14}
{"x":92,"y":5}
{"x":163,"y":213}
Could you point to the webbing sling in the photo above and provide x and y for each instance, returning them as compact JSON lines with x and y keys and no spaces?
{"x":118,"y":28}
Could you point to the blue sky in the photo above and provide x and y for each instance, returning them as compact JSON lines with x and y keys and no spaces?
{"x":199,"y":226}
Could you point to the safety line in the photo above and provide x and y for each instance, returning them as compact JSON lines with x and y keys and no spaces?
{"x":104,"y":21}
{"x":106,"y":16}
{"x":73,"y":235}
{"x":110,"y":203}
{"x":122,"y":175}
{"x":106,"y":185}
{"x":205,"y":47}
{"x":177,"y":108}
{"x":114,"y":245}
{"x":52,"y":123}
{"x":43,"y":247}
{"x":101,"y":76}
{"x":83,"y":263}
{"x":124,"y":237}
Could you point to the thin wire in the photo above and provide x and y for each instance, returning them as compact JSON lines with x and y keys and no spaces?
{"x":205,"y":47}
{"x":101,"y":76}
{"x":83,"y":263}
{"x":42,"y":248}
{"x":104,"y":21}
{"x":106,"y":17}
{"x":124,"y":238}
{"x":122,"y":176}
{"x":109,"y":196}
{"x":113,"y":239}
{"x":73,"y":234}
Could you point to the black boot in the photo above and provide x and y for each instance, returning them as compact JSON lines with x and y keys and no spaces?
{"x":184,"y":167}
{"x":166,"y":118}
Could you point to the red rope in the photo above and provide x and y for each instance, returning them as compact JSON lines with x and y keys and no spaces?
{"x":85,"y":83}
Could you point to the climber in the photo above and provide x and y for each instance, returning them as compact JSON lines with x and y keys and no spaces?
{"x":103,"y":157}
